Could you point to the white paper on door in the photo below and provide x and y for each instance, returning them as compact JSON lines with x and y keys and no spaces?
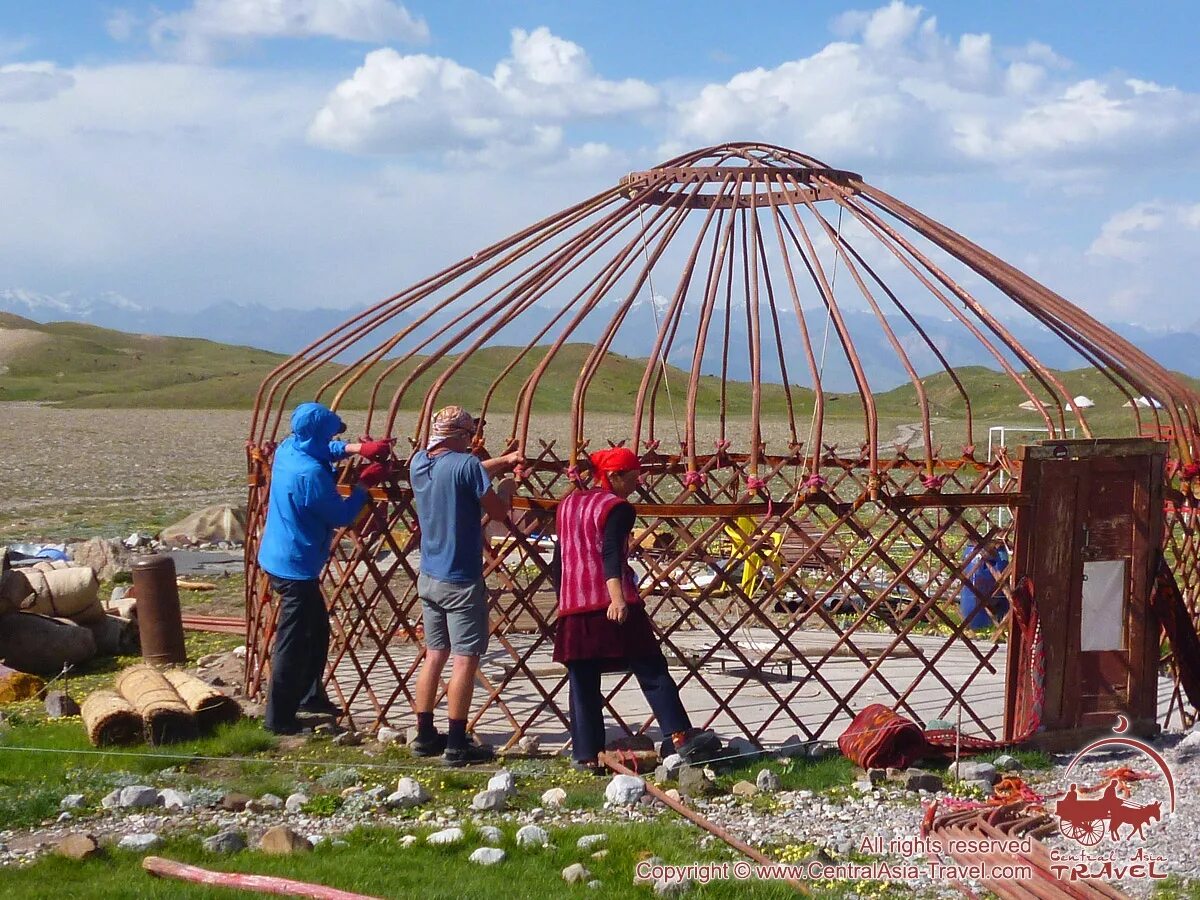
{"x":1102,"y":625}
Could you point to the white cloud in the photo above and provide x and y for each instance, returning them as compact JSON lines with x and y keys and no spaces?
{"x":196,"y":32}
{"x":896,"y":90}
{"x":31,"y":82}
{"x":1117,"y":238}
{"x":396,"y":103}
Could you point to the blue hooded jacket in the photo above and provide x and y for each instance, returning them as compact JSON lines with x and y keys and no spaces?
{"x":304,"y":506}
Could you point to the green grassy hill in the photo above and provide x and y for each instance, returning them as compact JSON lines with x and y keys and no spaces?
{"x":85,"y":366}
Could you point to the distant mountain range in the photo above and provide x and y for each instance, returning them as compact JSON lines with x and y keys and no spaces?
{"x":288,"y":330}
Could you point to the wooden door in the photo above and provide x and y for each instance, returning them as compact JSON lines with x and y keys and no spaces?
{"x":1088,"y":537}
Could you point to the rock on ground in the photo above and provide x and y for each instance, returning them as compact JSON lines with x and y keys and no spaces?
{"x":589,"y":841}
{"x":694,"y":782}
{"x":409,"y":792}
{"x":71,"y":801}
{"x":386,"y":735}
{"x":744,"y":789}
{"x":60,"y":704}
{"x":137,"y":796}
{"x":490,"y":801}
{"x":173,"y":799}
{"x":445,"y":836}
{"x":554,"y":797}
{"x":672,"y":887}
{"x":140,"y":843}
{"x":282,"y":840}
{"x":532,"y":836}
{"x":625,"y":790}
{"x":487,"y":856}
{"x":77,"y":846}
{"x":767,"y":781}
{"x":974,"y":771}
{"x":502,"y":781}
{"x":576,"y":873}
{"x":1006,"y":763}
{"x":295,"y":802}
{"x":490,"y":834}
{"x":225,"y":842}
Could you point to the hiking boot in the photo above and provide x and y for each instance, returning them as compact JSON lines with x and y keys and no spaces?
{"x":699,"y":747}
{"x":457,"y":757}
{"x":428,"y":746}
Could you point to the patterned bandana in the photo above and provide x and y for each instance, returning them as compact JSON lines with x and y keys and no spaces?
{"x":448,"y":423}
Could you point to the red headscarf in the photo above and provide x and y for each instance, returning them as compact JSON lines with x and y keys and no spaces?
{"x":618,"y":459}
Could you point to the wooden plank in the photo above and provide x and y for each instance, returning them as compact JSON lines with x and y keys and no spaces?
{"x":1089,"y":449}
{"x":934,"y":500}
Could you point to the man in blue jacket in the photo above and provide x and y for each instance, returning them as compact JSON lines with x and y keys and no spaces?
{"x":303,"y":510}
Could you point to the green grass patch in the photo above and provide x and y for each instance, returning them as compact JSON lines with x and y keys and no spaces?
{"x":798,"y":774}
{"x":374,"y":863}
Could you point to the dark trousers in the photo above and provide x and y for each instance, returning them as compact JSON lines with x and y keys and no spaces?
{"x":301,"y":650}
{"x":587,"y":703}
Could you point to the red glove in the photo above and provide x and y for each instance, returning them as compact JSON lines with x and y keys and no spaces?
{"x":378,"y":450}
{"x":373,"y":474}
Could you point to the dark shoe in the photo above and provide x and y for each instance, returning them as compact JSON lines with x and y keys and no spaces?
{"x":288,"y":728}
{"x":469,"y":755}
{"x":321,"y":708}
{"x":701,"y":746}
{"x":428,"y":746}
{"x":589,"y":767}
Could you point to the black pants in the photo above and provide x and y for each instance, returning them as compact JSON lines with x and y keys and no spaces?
{"x":587,"y":702}
{"x":301,"y":650}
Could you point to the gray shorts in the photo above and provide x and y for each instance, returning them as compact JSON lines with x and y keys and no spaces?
{"x":455,"y":615}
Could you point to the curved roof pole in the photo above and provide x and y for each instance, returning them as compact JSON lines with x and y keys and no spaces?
{"x":840,"y":243}
{"x":927,"y":228}
{"x":867,"y":398}
{"x":600,"y":351}
{"x":551,"y":273}
{"x":374,"y":316}
{"x":793,"y":437}
{"x":754,"y":484}
{"x":878,"y":227}
{"x":374,"y":357}
{"x":1161,"y":381}
{"x":716,"y":264}
{"x":673,"y":311}
{"x":816,"y":429}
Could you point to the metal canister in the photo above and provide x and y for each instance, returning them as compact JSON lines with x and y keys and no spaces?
{"x":160,"y":622}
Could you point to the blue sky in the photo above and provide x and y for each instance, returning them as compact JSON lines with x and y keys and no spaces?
{"x":311,"y":152}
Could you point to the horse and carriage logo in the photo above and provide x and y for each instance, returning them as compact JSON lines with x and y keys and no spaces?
{"x":1087,"y":819}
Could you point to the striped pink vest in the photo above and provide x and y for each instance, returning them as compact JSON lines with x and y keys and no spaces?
{"x":581,"y":517}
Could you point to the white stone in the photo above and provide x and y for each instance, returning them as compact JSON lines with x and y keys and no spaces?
{"x":173,"y":799}
{"x":386,"y":735}
{"x":240,"y":652}
{"x":595,"y":884}
{"x":71,"y":801}
{"x":490,"y":834}
{"x":530,"y":743}
{"x":974,"y":771}
{"x":445,"y":836}
{"x":591,"y":841}
{"x":554,"y":797}
{"x":112,"y":799}
{"x":1190,"y":742}
{"x":487,"y":856}
{"x":137,"y":796}
{"x":767,"y":781}
{"x":409,"y":792}
{"x":532,"y":836}
{"x":1007,"y":763}
{"x":408,"y":840}
{"x":295,"y":802}
{"x":502,"y":781}
{"x":576,"y":873}
{"x":673,"y":764}
{"x":490,"y":801}
{"x":139,"y":842}
{"x":625,"y":790}
{"x":270,"y":801}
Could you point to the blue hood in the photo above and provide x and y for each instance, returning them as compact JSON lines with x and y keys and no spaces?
{"x":313,"y":427}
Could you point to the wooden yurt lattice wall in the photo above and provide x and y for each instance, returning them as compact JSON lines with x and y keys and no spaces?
{"x":805,"y":532}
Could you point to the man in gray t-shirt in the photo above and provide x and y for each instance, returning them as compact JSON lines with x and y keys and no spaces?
{"x":453,"y":489}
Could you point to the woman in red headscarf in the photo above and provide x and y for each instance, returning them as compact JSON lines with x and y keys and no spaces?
{"x":602,"y":622}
